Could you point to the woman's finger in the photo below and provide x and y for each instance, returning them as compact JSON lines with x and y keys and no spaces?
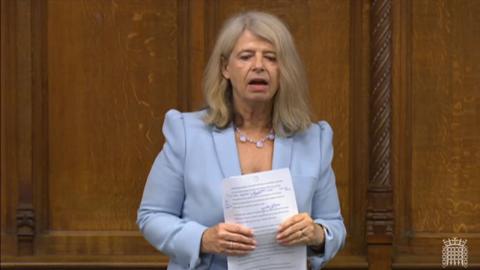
{"x":293,"y":231}
{"x":237,"y":233}
{"x":238,"y":238}
{"x":290,"y":222}
{"x":295,"y":238}
{"x":236,"y":246}
{"x":235,"y":239}
{"x":238,"y":229}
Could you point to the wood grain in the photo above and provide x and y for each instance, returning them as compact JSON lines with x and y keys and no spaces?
{"x":17,"y":88}
{"x":9,"y":187}
{"x":446,"y":123}
{"x":85,"y":85}
{"x":359,"y":122}
{"x":436,"y":132}
{"x":106,"y":110}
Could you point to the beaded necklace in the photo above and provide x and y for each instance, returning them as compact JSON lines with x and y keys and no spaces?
{"x":258,"y":143}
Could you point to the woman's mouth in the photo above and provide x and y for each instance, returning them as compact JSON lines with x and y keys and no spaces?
{"x":258,"y":84}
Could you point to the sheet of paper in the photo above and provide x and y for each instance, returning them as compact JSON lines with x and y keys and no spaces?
{"x":262,"y":201}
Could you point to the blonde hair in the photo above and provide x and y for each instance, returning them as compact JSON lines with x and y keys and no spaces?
{"x":291,"y":110}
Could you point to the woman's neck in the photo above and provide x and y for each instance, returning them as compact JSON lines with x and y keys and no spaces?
{"x":257,"y":119}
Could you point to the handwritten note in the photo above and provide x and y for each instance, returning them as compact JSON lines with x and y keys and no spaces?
{"x":262,"y":201}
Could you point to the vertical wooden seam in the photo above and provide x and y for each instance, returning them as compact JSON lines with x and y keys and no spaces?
{"x":211,"y":25}
{"x":183,"y":55}
{"x":7,"y":246}
{"x":403,"y":114}
{"x":9,"y":99}
{"x":197,"y":53}
{"x":25,"y":214}
{"x":358,"y":126}
{"x":353,"y":44}
{"x":409,"y":109}
{"x":3,"y":200}
{"x":40,"y":152}
{"x":401,"y":149}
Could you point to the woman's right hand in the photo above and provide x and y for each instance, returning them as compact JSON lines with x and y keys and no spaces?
{"x":228,"y":239}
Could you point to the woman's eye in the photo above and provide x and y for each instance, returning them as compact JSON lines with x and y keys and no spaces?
{"x":271,"y":58}
{"x":244,"y":57}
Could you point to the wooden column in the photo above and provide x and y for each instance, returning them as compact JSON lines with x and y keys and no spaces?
{"x":22,"y":85}
{"x":380,"y":191}
{"x":25,"y":211}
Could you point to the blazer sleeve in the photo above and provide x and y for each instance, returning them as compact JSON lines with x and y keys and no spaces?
{"x":326,"y":206}
{"x":160,"y":213}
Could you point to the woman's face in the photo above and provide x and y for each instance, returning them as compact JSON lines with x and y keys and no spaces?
{"x":252,"y":69}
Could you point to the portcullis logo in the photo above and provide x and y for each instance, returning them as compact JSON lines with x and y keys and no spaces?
{"x":454,"y":252}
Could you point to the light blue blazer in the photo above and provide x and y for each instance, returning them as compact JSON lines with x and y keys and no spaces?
{"x":183,"y":193}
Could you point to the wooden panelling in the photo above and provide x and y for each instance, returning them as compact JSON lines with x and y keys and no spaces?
{"x":17,"y":127}
{"x":446,"y":145}
{"x":437,"y":130}
{"x":105,"y":112}
{"x":197,"y":53}
{"x":79,"y":146}
{"x":7,"y":109}
{"x":359,"y":135}
{"x":85,"y":85}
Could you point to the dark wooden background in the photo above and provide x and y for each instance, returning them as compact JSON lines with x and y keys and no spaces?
{"x":85,"y":85}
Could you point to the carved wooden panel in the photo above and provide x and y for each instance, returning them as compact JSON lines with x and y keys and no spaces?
{"x":104,"y":118}
{"x":18,"y":80}
{"x":85,"y":86}
{"x":379,"y":216}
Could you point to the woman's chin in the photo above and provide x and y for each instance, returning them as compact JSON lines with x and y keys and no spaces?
{"x":260,"y":100}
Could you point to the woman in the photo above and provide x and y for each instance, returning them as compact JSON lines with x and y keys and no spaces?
{"x":257,"y":119}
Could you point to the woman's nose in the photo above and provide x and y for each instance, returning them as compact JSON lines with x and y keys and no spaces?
{"x":258,"y":64}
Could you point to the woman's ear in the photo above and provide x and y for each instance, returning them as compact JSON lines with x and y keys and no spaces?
{"x":224,"y":64}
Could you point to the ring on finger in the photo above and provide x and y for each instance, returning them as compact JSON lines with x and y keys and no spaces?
{"x":231,"y":244}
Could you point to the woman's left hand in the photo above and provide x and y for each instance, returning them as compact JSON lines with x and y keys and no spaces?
{"x":300,"y":229}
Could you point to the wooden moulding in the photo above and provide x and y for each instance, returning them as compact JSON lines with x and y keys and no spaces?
{"x":23,"y":52}
{"x":379,"y":216}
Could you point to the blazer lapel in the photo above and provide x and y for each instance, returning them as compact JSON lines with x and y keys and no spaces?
{"x":226,"y":150}
{"x":282,"y":152}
